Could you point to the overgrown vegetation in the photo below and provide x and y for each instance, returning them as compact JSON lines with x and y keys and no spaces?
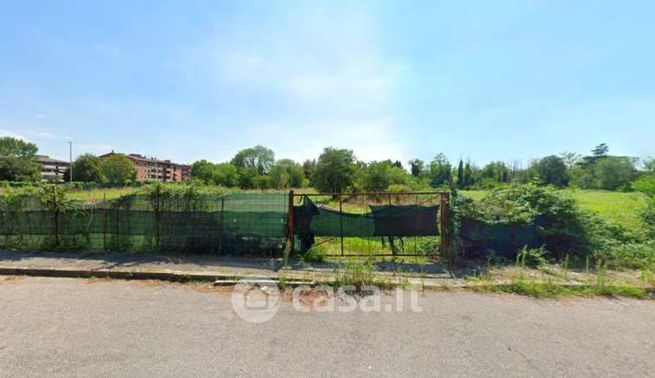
{"x":359,"y":273}
{"x":551,"y":289}
{"x":562,"y":228}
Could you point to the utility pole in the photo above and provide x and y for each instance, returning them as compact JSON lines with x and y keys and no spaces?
{"x":70,"y":159}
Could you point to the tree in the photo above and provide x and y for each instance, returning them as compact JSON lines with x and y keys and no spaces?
{"x":470,"y":174}
{"x":379,"y":175}
{"x":551,"y":170}
{"x":225,"y":174}
{"x":203,"y":170}
{"x":440,"y":171}
{"x":334,"y":170}
{"x":87,"y":168}
{"x":279,"y":177}
{"x":286,"y":173}
{"x":262,"y":182}
{"x":570,"y":159}
{"x":600,"y":150}
{"x":252,"y":162}
{"x":461,"y":179}
{"x":614,"y":172}
{"x":497,"y":171}
{"x":258,"y":158}
{"x":649,"y":164}
{"x":16,"y":148}
{"x":646,"y":185}
{"x":19,"y":169}
{"x":118,"y":169}
{"x":597,"y":153}
{"x":417,"y":166}
{"x":16,"y":160}
{"x":308,"y":168}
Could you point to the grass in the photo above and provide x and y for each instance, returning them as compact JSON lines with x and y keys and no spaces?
{"x":620,"y":208}
{"x":555,"y":290}
{"x":97,"y":195}
{"x":555,"y":281}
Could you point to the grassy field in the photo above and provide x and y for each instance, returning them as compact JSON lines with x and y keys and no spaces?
{"x":97,"y":195}
{"x":620,"y":208}
{"x":616,"y":207}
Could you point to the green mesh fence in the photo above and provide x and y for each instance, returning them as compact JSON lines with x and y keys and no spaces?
{"x":241,"y":223}
{"x":329,"y":222}
{"x":504,"y":240}
{"x":365,"y":224}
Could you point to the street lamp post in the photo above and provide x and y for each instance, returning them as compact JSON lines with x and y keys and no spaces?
{"x":70,"y":159}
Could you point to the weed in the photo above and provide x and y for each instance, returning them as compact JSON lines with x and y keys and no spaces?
{"x":316,"y":254}
{"x":359,"y":273}
{"x":550,"y":289}
{"x":532,"y":257}
{"x":282,"y":282}
{"x":565,"y":267}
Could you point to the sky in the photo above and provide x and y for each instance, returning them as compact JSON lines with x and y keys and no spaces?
{"x":190,"y":80}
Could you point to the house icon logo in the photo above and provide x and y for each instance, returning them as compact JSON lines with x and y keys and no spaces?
{"x":256,"y":300}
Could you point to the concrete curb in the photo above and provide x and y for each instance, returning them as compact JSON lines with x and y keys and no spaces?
{"x":221,"y":279}
{"x":117,"y":274}
{"x":216,"y":278}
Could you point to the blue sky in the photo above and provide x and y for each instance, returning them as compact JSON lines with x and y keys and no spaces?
{"x":187,"y":80}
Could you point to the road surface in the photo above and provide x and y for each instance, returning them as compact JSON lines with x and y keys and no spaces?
{"x":77,"y":327}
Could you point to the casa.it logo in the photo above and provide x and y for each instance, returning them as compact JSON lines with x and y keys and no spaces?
{"x":256,"y":301}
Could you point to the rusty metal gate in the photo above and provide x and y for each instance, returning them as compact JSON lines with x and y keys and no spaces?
{"x":370,"y":223}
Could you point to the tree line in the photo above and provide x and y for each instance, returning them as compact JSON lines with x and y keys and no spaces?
{"x":338,"y":170}
{"x":18,"y":163}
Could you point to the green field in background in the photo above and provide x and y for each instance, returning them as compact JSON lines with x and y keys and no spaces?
{"x":620,"y":208}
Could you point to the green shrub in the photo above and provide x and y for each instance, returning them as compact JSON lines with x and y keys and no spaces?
{"x":562,"y":227}
{"x":427,"y":245}
{"x":627,"y":256}
{"x":355,"y":273}
{"x":649,"y":219}
{"x":646,"y":185}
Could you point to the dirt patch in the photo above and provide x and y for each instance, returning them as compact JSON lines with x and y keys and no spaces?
{"x":11,"y":278}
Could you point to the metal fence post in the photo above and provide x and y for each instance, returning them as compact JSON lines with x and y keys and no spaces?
{"x":445,"y":220}
{"x":104,"y":222}
{"x":341,"y":222}
{"x":291,"y":226}
{"x":56,"y":214}
{"x":220,"y":241}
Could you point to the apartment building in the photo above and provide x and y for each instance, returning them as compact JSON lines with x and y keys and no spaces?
{"x":153,"y":169}
{"x":52,"y":170}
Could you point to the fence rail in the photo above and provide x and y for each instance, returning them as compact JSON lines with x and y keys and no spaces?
{"x":344,"y":224}
{"x":372,"y":223}
{"x":240,"y":223}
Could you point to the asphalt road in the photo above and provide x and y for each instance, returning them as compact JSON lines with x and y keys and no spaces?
{"x":75,"y":327}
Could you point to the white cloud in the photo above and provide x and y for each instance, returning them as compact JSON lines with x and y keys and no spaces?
{"x":9,"y":133}
{"x":324,"y":69}
{"x":370,"y":139}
